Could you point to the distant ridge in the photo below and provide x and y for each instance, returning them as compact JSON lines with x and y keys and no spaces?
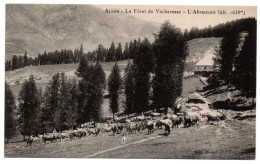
{"x":39,"y":28}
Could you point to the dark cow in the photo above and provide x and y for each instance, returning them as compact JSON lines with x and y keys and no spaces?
{"x":176,"y":122}
{"x":29,"y":141}
{"x":150,"y":127}
{"x":120,"y":128}
{"x":114,"y":129}
{"x":187,"y":121}
{"x":78,"y":134}
{"x":158,"y":124}
{"x":50,"y":138}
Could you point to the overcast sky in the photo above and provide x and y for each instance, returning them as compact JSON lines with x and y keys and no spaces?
{"x":185,"y":20}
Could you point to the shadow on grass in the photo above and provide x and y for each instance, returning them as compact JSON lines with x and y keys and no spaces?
{"x":249,"y":151}
{"x":163,"y":134}
{"x":236,"y":105}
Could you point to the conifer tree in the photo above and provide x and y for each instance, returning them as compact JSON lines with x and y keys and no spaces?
{"x":51,"y":102}
{"x":245,"y":67}
{"x":71,"y":113}
{"x":111,"y":53}
{"x":170,"y":51}
{"x":126,"y":53}
{"x":29,"y":106}
{"x":143,"y":66}
{"x":129,"y":88}
{"x":10,"y":107}
{"x":225,"y":55}
{"x":25,"y":59}
{"x":118,"y":53}
{"x":14,"y":62}
{"x":114,"y":81}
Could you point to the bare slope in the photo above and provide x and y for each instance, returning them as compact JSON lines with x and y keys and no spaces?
{"x":36,"y":28}
{"x":198,"y":49}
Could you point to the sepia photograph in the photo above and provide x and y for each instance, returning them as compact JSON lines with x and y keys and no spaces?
{"x":130,"y":81}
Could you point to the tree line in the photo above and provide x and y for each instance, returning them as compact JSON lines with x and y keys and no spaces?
{"x":117,"y":52}
{"x":150,"y":81}
{"x":101,"y":54}
{"x":235,"y":60}
{"x":218,"y":30}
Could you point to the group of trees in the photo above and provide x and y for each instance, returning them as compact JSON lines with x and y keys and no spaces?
{"x":218,"y":30}
{"x":51,"y":58}
{"x":235,"y":60}
{"x":101,"y":54}
{"x":154,"y":79}
{"x":67,"y":103}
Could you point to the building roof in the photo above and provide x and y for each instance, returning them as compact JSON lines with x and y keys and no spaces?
{"x":206,"y":61}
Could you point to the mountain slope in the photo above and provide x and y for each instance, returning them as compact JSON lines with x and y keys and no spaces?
{"x":36,"y":28}
{"x":198,"y":49}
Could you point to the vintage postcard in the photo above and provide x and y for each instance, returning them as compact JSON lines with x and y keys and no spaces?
{"x":130,"y":81}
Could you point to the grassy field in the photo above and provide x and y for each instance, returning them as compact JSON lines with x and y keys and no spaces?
{"x":43,"y":74}
{"x":229,"y":139}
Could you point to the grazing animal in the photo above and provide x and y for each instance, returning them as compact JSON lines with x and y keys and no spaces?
{"x":190,"y":118}
{"x":107,"y":129}
{"x":93,"y":131}
{"x":48,"y":137}
{"x":187,"y":121}
{"x":29,"y":142}
{"x":212,"y":118}
{"x":167,"y":129}
{"x":114,"y":129}
{"x":176,"y":121}
{"x":167,"y":124}
{"x":120,"y":128}
{"x":66,"y":136}
{"x":158,"y":124}
{"x":133,"y":127}
{"x":194,"y":120}
{"x":150,"y":127}
{"x":78,"y":134}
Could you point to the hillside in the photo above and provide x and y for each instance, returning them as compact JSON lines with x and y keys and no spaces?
{"x":36,"y":28}
{"x":198,"y":49}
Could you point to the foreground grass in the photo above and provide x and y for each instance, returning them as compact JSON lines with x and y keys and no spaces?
{"x":230,"y":139}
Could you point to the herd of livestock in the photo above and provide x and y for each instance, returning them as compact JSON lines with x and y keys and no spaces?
{"x":135,"y":124}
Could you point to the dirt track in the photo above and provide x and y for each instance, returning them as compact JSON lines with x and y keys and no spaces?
{"x":226,"y":140}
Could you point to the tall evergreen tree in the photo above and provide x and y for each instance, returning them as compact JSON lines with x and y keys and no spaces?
{"x":63,"y":103}
{"x":81,"y":51}
{"x":100,"y":53}
{"x":126,"y":53}
{"x":143,"y":65}
{"x":225,"y":55}
{"x":14,"y":62}
{"x":111,"y":53}
{"x":84,"y":72}
{"x":129,"y":88}
{"x":10,"y":106}
{"x":20,"y":62}
{"x":170,"y":53}
{"x":245,"y":67}
{"x":118,"y":52}
{"x":91,"y":85}
{"x":51,"y":103}
{"x":29,"y":106}
{"x":72,"y":114}
{"x":25,"y":59}
{"x":114,"y":81}
{"x":97,"y":86}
